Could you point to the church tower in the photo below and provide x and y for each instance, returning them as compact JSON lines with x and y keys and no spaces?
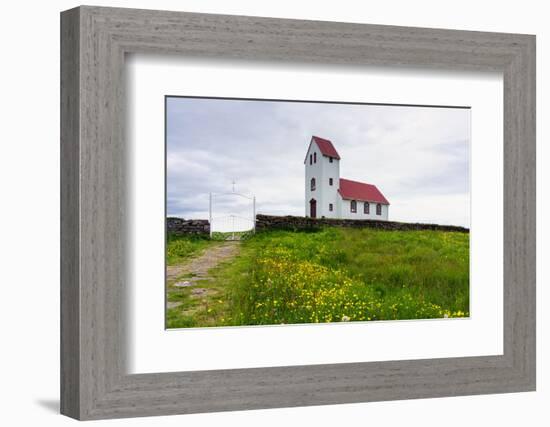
{"x":322,"y":179}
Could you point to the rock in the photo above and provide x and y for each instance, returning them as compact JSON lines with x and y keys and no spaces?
{"x":189,"y":226}
{"x":183,"y":284}
{"x":295,"y":223}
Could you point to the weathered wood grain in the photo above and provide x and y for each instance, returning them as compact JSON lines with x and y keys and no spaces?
{"x":70,"y":220}
{"x":94,"y":382}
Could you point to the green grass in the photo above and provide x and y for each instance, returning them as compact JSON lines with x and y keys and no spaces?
{"x":237,"y":235}
{"x":180,"y":248}
{"x":335,"y":274}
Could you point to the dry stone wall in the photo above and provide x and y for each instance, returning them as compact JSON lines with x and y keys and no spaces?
{"x":187,"y":226}
{"x":299,"y":223}
{"x":270,"y":222}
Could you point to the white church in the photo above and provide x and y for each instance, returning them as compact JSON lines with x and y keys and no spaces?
{"x":329,"y":196}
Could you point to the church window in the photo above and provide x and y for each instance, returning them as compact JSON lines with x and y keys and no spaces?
{"x":315,"y":157}
{"x":378,"y":209}
{"x":353,"y":206}
{"x":330,"y":207}
{"x":330,"y":181}
{"x":366,"y":208}
{"x":312,"y":184}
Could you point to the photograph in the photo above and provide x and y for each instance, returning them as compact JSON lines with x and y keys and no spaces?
{"x":283,"y":212}
{"x":282,"y":215}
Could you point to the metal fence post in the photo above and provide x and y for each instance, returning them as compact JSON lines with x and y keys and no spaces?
{"x":210,"y":213}
{"x":254,"y":214}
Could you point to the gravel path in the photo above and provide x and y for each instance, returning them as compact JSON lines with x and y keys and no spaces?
{"x":198,"y":267}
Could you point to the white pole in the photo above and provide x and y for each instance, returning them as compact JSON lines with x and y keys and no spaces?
{"x":210,"y":213}
{"x":254,"y":214}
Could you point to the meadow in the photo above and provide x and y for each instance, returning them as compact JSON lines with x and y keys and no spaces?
{"x":181,"y":248}
{"x":329,"y":275}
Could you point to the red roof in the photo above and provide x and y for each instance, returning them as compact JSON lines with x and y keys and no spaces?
{"x":353,"y":190}
{"x":326,"y":147}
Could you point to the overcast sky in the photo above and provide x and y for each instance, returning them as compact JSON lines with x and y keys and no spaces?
{"x":417,"y":156}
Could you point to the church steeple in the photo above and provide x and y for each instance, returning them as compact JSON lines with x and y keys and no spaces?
{"x":322,"y":174}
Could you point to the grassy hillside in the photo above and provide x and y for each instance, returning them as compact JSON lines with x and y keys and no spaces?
{"x":336,"y":274}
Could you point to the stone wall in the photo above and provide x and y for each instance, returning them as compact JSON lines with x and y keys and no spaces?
{"x":187,"y":226}
{"x":270,"y":222}
{"x":295,"y":223}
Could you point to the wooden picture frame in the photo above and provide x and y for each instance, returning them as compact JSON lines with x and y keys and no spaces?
{"x":94,"y":382}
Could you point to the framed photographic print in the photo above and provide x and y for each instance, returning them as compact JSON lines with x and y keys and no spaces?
{"x":243,"y":250}
{"x":347,"y":210}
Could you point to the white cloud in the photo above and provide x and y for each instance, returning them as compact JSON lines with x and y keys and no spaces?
{"x":417,"y":156}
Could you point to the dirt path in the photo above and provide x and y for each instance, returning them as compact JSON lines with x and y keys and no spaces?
{"x":197,"y":268}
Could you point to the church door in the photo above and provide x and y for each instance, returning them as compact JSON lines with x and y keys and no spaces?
{"x":313,"y":208}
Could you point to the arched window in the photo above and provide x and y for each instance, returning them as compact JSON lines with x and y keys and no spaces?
{"x":310,"y":159}
{"x":312,"y":184}
{"x":330,"y":181}
{"x":315,"y":157}
{"x":353,"y":206}
{"x":330,"y":207}
{"x":378,"y":209}
{"x":366,"y":208}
